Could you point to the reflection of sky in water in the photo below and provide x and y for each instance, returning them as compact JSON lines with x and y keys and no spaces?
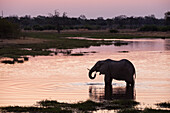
{"x":133,"y":45}
{"x":64,"y":78}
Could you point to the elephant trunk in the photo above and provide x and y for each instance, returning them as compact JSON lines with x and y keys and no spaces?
{"x":90,"y":74}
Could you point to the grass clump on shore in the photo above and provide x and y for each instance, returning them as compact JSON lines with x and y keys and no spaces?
{"x":164,"y":104}
{"x":48,"y":106}
{"x":59,"y":107}
{"x":86,"y":106}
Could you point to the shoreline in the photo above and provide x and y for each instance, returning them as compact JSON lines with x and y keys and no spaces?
{"x":40,"y":41}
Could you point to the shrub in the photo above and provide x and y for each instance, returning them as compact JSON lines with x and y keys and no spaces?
{"x":38,"y":28}
{"x":27,"y":28}
{"x":8,"y":29}
{"x":49,"y":27}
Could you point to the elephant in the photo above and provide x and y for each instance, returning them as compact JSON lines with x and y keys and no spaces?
{"x":119,"y":70}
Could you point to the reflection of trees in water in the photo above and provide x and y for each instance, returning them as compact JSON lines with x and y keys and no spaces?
{"x":167,"y":44}
{"x":98,"y":93}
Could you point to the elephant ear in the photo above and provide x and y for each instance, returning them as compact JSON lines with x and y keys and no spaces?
{"x":104,"y":68}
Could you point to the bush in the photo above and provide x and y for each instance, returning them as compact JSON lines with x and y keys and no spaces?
{"x":113,"y":31}
{"x":8,"y":29}
{"x":38,"y":28}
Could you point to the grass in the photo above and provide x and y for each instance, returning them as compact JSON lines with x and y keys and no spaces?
{"x":52,"y":106}
{"x":86,"y":106}
{"x":102,"y":34}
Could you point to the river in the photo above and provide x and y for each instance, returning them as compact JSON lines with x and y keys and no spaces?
{"x":65,"y":78}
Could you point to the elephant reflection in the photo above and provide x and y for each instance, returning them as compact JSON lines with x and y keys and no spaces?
{"x":108,"y":93}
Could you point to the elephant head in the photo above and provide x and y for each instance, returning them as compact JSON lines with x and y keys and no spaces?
{"x":98,"y":67}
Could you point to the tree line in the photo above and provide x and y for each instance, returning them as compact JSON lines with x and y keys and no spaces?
{"x":63,"y":22}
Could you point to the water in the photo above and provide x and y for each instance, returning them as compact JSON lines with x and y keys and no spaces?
{"x":65,"y":78}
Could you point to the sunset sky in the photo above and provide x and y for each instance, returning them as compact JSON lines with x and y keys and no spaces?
{"x":89,"y":8}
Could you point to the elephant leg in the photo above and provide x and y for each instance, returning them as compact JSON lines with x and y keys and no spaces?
{"x":108,"y":92}
{"x":108,"y":80}
{"x":108,"y":88}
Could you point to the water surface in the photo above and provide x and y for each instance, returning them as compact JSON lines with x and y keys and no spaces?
{"x":65,"y":78}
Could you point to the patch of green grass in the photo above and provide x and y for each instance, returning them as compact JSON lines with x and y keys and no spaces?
{"x":94,"y":34}
{"x":13,"y":52}
{"x":34,"y":109}
{"x":86,"y":106}
{"x":164,"y":104}
{"x":52,"y":105}
{"x":120,"y":104}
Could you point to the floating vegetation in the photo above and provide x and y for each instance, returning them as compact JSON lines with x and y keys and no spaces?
{"x":77,"y":54}
{"x":15,"y":60}
{"x":120,"y":43}
{"x":8,"y":61}
{"x":49,"y":106}
{"x":123,"y":51}
{"x":26,"y":58}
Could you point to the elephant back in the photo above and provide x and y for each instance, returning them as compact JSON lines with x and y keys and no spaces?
{"x":129,"y":65}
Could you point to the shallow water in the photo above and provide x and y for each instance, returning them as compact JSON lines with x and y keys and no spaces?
{"x":65,"y":78}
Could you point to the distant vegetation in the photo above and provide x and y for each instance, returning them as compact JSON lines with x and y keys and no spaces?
{"x":8,"y":29}
{"x":155,"y":28}
{"x":113,"y":31}
{"x":57,"y":22}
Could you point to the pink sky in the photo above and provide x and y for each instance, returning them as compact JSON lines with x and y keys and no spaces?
{"x":89,"y":8}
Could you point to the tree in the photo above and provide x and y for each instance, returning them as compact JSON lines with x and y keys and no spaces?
{"x":167,"y":17}
{"x":64,"y":15}
{"x":9,"y":29}
{"x":56,"y":13}
{"x":83,"y":17}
